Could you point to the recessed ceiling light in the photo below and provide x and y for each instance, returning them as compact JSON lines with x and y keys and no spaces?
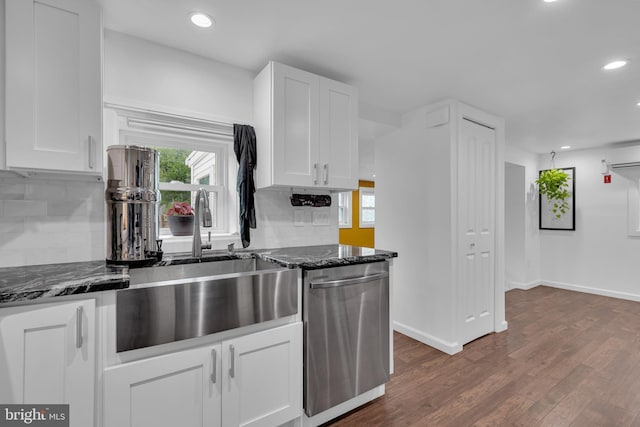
{"x":550,"y":1}
{"x":615,"y":64}
{"x":638,"y":104}
{"x":565,"y":147}
{"x":201,"y":20}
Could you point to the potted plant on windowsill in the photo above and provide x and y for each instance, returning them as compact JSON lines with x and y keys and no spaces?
{"x":180,"y":218}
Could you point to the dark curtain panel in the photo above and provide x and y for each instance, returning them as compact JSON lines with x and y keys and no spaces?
{"x":244,"y":145}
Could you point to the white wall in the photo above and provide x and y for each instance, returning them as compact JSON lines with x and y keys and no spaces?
{"x":529,"y":161}
{"x":514,"y":226}
{"x":63,"y":221}
{"x":416,"y":203}
{"x":148,"y":75}
{"x":598,"y":256}
{"x":141,"y":73}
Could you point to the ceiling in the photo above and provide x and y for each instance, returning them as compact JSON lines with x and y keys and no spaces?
{"x":536,"y":64}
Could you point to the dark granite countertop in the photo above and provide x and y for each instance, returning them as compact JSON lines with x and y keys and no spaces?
{"x":323,"y":256}
{"x":18,"y":284}
{"x":51,"y":280}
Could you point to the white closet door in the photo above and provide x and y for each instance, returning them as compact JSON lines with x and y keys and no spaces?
{"x":476,"y":229}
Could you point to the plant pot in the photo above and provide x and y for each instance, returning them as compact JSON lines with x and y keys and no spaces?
{"x":181,"y":225}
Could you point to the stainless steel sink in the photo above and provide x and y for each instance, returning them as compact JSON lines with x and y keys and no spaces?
{"x":152,"y":275}
{"x":173,"y":303}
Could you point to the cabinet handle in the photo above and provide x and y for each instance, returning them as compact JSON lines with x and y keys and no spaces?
{"x":79,"y":327}
{"x":232,"y":354}
{"x":315,"y":174}
{"x":92,"y":153}
{"x":214,"y":368}
{"x":326,"y":173}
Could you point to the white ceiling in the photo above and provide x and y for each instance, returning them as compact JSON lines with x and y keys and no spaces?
{"x":536,"y":64}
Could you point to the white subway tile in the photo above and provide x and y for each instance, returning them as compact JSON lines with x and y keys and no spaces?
{"x":85,"y":190}
{"x":24,"y":208}
{"x":11,"y":225}
{"x":37,"y":190}
{"x":68,"y":208}
{"x":12,"y":191}
{"x":12,"y":257}
{"x":53,"y":255}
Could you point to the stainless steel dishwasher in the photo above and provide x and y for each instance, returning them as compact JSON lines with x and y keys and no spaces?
{"x":346,"y":341}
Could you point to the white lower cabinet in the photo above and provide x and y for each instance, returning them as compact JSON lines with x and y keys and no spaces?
{"x":47,"y":356}
{"x":254,"y":380}
{"x":179,"y":389}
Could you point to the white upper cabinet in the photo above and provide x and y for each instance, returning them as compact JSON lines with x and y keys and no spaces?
{"x":338,"y":135}
{"x":53,"y":85}
{"x":306,"y":129}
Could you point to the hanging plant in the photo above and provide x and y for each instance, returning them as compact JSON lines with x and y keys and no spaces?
{"x":554,"y":184}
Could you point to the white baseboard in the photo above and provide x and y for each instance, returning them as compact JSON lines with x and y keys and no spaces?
{"x":502,"y":326}
{"x":524,"y":286}
{"x":430,"y":340}
{"x":591,"y":290}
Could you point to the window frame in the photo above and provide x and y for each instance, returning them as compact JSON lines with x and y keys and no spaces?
{"x":362,"y":192}
{"x":137,"y":138}
{"x":345,"y":203}
{"x":135,"y":126}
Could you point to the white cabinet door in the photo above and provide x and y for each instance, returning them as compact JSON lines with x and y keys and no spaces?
{"x":338,"y":135}
{"x":295,"y":127}
{"x":263,"y":378}
{"x":306,"y":130}
{"x":178,"y":389}
{"x":48,"y":357}
{"x":53,"y":85}
{"x":476,"y":227}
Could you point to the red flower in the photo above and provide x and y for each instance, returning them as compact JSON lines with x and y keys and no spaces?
{"x":180,"y":209}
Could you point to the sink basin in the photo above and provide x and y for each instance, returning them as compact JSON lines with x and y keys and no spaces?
{"x":151,"y":276}
{"x":173,"y":303}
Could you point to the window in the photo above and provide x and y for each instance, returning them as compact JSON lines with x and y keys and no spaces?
{"x":367,"y":207}
{"x":182,"y":173}
{"x":194,"y":154}
{"x":344,"y":210}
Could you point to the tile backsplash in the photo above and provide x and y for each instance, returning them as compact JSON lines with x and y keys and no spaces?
{"x":53,"y":221}
{"x":50,"y":221}
{"x":277,"y":225}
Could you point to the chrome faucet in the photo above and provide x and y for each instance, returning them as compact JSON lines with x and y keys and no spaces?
{"x":201,"y":210}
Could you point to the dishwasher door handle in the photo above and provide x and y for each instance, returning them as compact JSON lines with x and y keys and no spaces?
{"x":323,"y":284}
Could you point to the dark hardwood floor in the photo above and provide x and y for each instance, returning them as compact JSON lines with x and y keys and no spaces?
{"x":567,"y":359}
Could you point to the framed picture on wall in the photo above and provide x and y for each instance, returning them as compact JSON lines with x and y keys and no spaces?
{"x":548,"y":220}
